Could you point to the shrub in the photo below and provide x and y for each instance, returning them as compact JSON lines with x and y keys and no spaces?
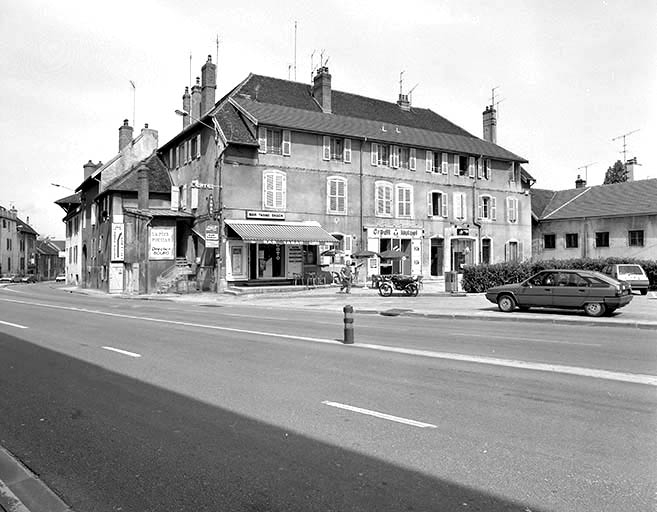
{"x":478,"y":278}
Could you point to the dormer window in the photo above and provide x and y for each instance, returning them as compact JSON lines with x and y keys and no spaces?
{"x":274,"y":141}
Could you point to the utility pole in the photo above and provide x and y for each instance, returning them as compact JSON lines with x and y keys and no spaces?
{"x":624,"y":137}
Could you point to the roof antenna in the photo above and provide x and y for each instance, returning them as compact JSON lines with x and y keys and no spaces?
{"x":401,"y":81}
{"x":586,"y":170}
{"x":410,"y":93}
{"x":624,"y":136}
{"x":312,"y":66}
{"x":190,"y":70}
{"x":217,"y":59}
{"x":295,"y":50}
{"x":134,"y":101}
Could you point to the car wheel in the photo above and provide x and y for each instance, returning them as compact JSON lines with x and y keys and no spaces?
{"x":594,"y":309}
{"x":385,"y":289}
{"x":506,"y":303}
{"x":411,"y":289}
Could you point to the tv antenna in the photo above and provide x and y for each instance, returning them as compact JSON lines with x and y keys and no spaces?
{"x":134,"y":101}
{"x":295,"y":50}
{"x":624,"y":137}
{"x":401,"y":82}
{"x":410,"y":93}
{"x":586,"y":169}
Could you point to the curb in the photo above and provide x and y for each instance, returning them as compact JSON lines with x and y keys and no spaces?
{"x":22,"y":491}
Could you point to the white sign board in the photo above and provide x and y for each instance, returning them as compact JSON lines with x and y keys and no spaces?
{"x":161,"y":244}
{"x":117,"y":242}
{"x":212,"y":236}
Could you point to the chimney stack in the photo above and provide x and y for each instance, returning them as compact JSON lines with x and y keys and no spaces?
{"x":187,"y":105}
{"x":579,"y":182}
{"x":142,"y":187}
{"x":404,"y":103}
{"x":196,"y":101}
{"x":322,"y":89}
{"x":629,"y":168}
{"x":89,"y":169}
{"x":208,"y":85}
{"x":125,"y":135}
{"x":490,"y":125}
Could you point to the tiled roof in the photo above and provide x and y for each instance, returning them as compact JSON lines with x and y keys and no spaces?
{"x":235,"y":126}
{"x":615,"y":200}
{"x":73,"y":199}
{"x":60,"y":244}
{"x":158,"y":177}
{"x":24,"y":227}
{"x":47,"y":247}
{"x":290,"y":104}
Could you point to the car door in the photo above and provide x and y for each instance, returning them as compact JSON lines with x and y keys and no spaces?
{"x":570,"y":290}
{"x":537,"y":291}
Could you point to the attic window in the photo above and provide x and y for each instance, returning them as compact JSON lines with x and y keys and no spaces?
{"x":383,"y":128}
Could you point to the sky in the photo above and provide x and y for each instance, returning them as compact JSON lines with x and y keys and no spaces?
{"x":570,"y":76}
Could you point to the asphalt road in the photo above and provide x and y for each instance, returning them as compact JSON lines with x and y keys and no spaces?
{"x":130,"y":405}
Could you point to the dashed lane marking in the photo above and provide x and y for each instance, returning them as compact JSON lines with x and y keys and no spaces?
{"x":13,"y":325}
{"x":382,"y":415}
{"x":124,"y":352}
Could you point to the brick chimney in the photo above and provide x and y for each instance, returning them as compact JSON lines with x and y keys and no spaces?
{"x":629,"y":168}
{"x":89,"y":169}
{"x":579,"y":182}
{"x":142,"y":187}
{"x":125,"y":135}
{"x":322,"y":89}
{"x":208,"y":85}
{"x":490,"y":125}
{"x":187,"y":105}
{"x":196,"y":100}
{"x":404,"y":103}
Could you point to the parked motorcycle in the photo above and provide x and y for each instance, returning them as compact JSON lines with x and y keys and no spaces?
{"x":408,"y":284}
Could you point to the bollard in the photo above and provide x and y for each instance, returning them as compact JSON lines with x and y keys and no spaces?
{"x":348,"y":325}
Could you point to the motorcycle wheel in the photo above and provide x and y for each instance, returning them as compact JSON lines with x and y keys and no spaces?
{"x":411,"y":289}
{"x":385,"y":290}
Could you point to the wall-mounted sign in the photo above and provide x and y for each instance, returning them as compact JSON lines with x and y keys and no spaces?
{"x":265,"y":215}
{"x":212,"y":236}
{"x":394,"y":233}
{"x":462,"y":232}
{"x":161,"y":244}
{"x":118,"y":239}
{"x":197,"y":184}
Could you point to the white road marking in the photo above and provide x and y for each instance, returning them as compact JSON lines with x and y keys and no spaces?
{"x":382,"y":415}
{"x":13,"y":325}
{"x":508,"y":338}
{"x":124,"y":352}
{"x":636,"y":378}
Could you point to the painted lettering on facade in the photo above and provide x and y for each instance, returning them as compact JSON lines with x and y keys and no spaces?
{"x":161,"y":244}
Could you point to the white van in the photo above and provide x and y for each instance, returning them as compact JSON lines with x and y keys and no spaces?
{"x":631,"y":273}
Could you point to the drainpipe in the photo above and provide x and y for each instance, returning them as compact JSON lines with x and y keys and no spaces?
{"x":360,"y":232}
{"x":474,"y":209}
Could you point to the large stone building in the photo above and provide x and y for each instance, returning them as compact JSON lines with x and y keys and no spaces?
{"x":283,"y":170}
{"x":17,"y":244}
{"x":596,"y":222}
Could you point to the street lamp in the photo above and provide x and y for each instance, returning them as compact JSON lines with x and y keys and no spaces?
{"x":62,"y":186}
{"x":220,"y":264}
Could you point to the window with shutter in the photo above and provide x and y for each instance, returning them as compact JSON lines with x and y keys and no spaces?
{"x":175,"y":198}
{"x":374,"y":153}
{"x":471,"y":167}
{"x":347,"y":151}
{"x":443,"y":198}
{"x":394,"y":157}
{"x":337,"y":195}
{"x":383,"y":194}
{"x":274,"y":190}
{"x":404,"y":200}
{"x":412,"y":160}
{"x":262,"y":139}
{"x":455,"y":165}
{"x":429,"y":161}
{"x":459,"y":206}
{"x":480,"y":168}
{"x":194,"y":198}
{"x":287,"y":143}
{"x":326,"y":152}
{"x":487,"y":169}
{"x":493,"y":208}
{"x":512,"y":209}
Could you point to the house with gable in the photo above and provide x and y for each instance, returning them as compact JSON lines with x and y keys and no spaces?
{"x":599,"y":221}
{"x":289,"y":169}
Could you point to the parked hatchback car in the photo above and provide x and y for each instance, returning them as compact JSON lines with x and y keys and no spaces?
{"x":630,"y":272}
{"x":61,"y":278}
{"x":594,"y":292}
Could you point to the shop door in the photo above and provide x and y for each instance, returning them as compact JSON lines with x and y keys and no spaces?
{"x":462,"y":253}
{"x":270,"y":261}
{"x":437,"y":250}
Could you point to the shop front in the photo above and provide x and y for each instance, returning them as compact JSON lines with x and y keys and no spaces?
{"x":404,"y":244}
{"x":266,"y":252}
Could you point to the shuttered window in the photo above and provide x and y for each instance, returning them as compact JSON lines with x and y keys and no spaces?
{"x":336,"y":191}
{"x":273,"y":190}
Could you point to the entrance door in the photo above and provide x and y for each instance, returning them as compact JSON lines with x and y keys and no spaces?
{"x":462,"y":253}
{"x":437,"y":250}
{"x":270,"y":261}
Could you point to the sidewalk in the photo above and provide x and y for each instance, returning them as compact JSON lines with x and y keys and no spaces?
{"x":432,"y":302}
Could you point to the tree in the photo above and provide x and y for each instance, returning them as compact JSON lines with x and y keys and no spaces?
{"x":616,"y":174}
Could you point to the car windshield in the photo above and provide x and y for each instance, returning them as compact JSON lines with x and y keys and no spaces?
{"x":630,"y":269}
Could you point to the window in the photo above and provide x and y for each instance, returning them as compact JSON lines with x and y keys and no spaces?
{"x":277,"y":142}
{"x":512,"y":251}
{"x":444,"y":163}
{"x":437,"y":204}
{"x":336,"y":149}
{"x":550,"y":241}
{"x":412,"y":159}
{"x":405,"y":158}
{"x":404,"y":201}
{"x":383,"y":199}
{"x":461,"y":163}
{"x":429,"y":161}
{"x":336,"y":195}
{"x":635,"y":238}
{"x":273,"y":190}
{"x":602,"y":239}
{"x":460,"y":206}
{"x":394,"y":157}
{"x":384,"y":155}
{"x":487,"y":207}
{"x":512,"y":209}
{"x":572,"y":241}
{"x":512,"y":174}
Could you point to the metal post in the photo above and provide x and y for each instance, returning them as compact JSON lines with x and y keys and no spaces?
{"x":348,"y":324}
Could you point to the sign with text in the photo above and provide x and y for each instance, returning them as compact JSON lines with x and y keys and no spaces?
{"x":265,"y":215}
{"x":118,"y":241}
{"x":394,"y":232}
{"x":161,"y":244}
{"x":212,"y":236}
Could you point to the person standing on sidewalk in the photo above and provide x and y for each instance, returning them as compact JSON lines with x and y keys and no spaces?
{"x":346,"y":274}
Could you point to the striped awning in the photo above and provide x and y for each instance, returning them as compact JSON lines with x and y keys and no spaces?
{"x":280,"y":232}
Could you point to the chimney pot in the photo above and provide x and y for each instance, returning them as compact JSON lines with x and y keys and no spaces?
{"x":208,"y":86}
{"x":195,"y":112}
{"x":322,"y":89}
{"x":186,"y":106}
{"x":490,"y":125}
{"x":125,"y":135}
{"x":579,"y":182}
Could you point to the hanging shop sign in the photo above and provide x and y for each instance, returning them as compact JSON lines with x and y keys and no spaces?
{"x":394,"y":232}
{"x":212,"y":235}
{"x":161,"y":244}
